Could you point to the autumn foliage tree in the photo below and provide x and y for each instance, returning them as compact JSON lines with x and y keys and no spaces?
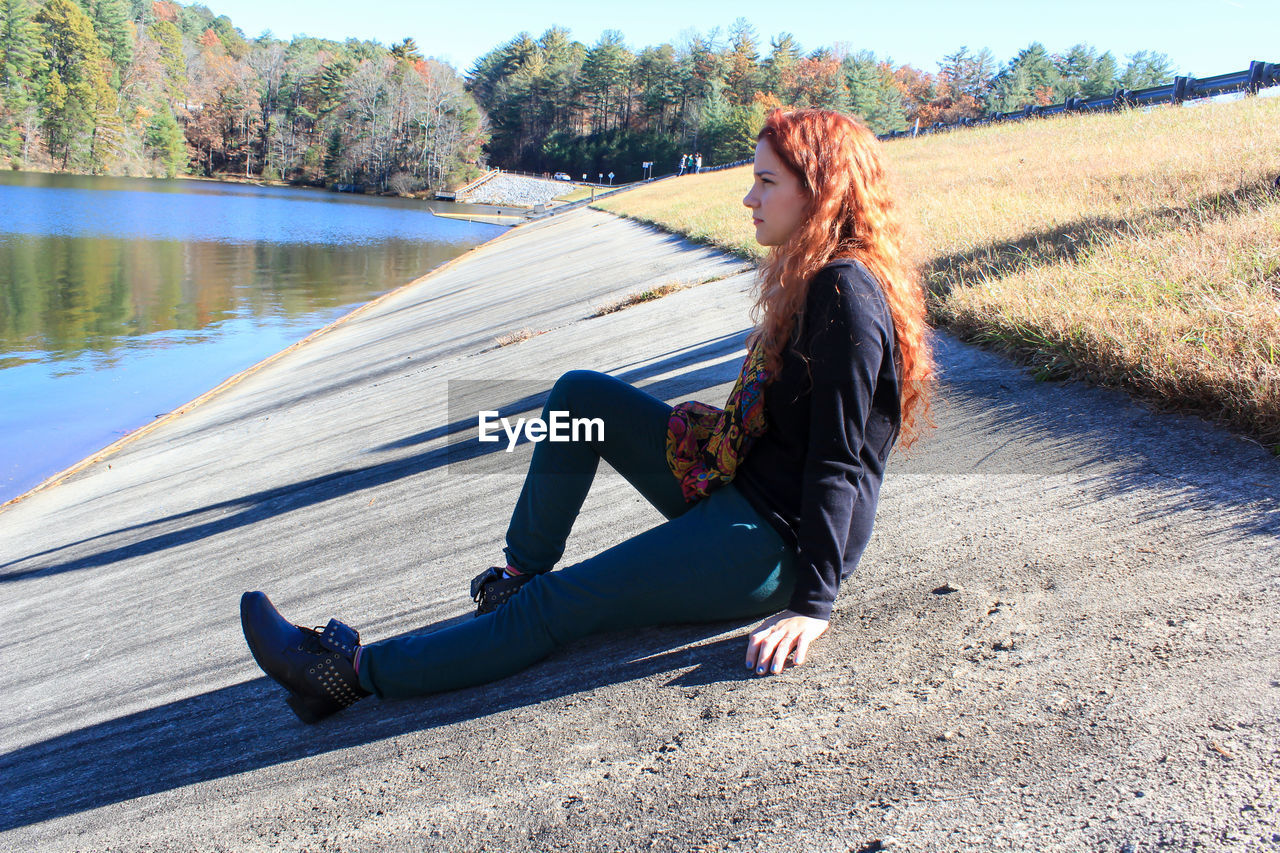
{"x":141,"y":87}
{"x":160,"y":88}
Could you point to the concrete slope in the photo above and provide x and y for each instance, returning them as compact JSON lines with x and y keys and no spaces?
{"x":1062,"y":636}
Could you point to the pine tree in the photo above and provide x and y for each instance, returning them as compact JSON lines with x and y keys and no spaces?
{"x":1146,"y":69}
{"x":1041,"y":74}
{"x":407,"y":51}
{"x":873,"y":95}
{"x":554,"y":87}
{"x":1030,"y":78}
{"x":1086,"y":74}
{"x":232,"y":41}
{"x":984,"y":70}
{"x":19,"y":45}
{"x":701,"y":65}
{"x":173,"y":62}
{"x":111,"y":22}
{"x":779,"y":71}
{"x":335,"y":171}
{"x":142,"y":12}
{"x":659,"y":83}
{"x":165,"y":139}
{"x":20,"y":64}
{"x":331,"y":85}
{"x":1076,"y":67}
{"x":77,"y":97}
{"x":716,"y":122}
{"x":194,"y":19}
{"x":743,"y":77}
{"x":107,"y":131}
{"x":606,"y":75}
{"x":501,"y":81}
{"x":738,"y":137}
{"x":1103,"y":80}
{"x":965,"y":78}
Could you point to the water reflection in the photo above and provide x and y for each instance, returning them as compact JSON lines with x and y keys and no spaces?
{"x":123,"y":298}
{"x":62,"y":297}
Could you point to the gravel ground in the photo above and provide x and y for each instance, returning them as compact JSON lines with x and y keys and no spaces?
{"x":1062,"y":637}
{"x":517,"y":190}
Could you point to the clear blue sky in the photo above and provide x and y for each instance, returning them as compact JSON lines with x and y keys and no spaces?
{"x":1200,"y":37}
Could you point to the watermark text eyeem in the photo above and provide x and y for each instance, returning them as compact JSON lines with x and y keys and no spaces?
{"x":559,"y":427}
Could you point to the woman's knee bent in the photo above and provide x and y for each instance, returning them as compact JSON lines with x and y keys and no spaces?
{"x":571,"y":384}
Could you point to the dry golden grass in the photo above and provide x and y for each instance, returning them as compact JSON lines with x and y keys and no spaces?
{"x":705,"y":208}
{"x":575,"y":193}
{"x":515,"y":337}
{"x":648,"y":295}
{"x":641,"y":296}
{"x":1139,"y":249}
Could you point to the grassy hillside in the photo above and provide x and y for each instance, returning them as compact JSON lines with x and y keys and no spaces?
{"x":1140,"y":250}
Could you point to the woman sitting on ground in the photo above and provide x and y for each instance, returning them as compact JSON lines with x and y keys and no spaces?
{"x":769,"y":502}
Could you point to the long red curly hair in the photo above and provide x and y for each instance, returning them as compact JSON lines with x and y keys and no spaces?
{"x":849,"y":214}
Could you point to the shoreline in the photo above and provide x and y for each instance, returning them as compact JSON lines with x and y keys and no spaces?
{"x":423,"y":196}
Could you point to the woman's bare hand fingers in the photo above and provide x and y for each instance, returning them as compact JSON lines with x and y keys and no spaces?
{"x":768,"y":648}
{"x":802,"y":649}
{"x":756,"y":643}
{"x":786,"y":635}
{"x":780,"y":653}
{"x":768,"y":643}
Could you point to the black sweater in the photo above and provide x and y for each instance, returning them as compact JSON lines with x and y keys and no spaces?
{"x":815,"y":474}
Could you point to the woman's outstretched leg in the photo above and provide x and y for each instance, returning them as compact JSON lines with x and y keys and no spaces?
{"x":719,"y":560}
{"x":560,"y":473}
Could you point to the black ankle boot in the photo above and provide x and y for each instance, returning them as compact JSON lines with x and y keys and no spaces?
{"x":491,"y":588}
{"x":315,"y":666}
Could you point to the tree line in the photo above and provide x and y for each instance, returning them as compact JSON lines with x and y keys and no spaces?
{"x":138,"y":87}
{"x":151,"y":87}
{"x":553,"y":103}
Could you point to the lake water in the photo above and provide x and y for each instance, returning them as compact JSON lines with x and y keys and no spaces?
{"x":123,"y":298}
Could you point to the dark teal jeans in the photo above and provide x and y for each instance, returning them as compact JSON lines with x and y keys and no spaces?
{"x":712,"y":560}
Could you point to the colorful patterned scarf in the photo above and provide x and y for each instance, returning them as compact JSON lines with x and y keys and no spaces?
{"x":705,"y":444}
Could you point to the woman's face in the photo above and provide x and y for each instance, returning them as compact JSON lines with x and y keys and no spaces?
{"x":777,"y":200}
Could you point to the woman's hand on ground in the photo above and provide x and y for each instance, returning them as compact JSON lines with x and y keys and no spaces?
{"x":772,"y":643}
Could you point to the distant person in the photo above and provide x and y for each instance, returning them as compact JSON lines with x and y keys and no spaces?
{"x":684,"y":163}
{"x":769,"y":502}
{"x":697,"y":164}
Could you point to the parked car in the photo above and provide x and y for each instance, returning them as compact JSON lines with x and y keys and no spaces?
{"x":561,"y":176}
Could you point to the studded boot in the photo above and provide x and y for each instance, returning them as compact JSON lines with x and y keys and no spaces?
{"x":315,"y":666}
{"x":491,"y":588}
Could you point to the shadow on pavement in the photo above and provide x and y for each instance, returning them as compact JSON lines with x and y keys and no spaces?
{"x":1099,"y":438}
{"x":247,"y":726}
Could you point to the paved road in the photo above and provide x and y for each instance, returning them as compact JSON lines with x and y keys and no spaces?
{"x":1061,"y":638}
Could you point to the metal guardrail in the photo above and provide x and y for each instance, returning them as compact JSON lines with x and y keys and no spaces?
{"x":485,"y":178}
{"x":543,"y":176}
{"x":734,"y":164}
{"x":1258,"y":75}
